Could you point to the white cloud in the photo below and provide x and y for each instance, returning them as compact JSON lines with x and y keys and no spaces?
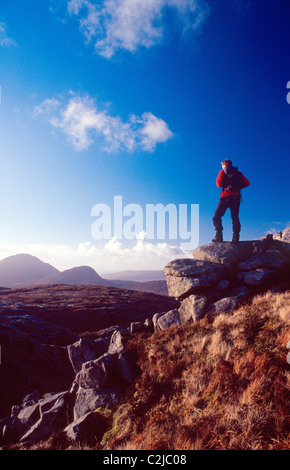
{"x":112,"y":256}
{"x":113,"y":25}
{"x":277,"y":227}
{"x":153,"y":130}
{"x":82,"y":123}
{"x":5,"y":40}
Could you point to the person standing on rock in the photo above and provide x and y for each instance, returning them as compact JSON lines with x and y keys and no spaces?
{"x":231,"y":180}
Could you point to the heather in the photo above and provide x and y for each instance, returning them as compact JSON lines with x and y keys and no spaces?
{"x":222,"y":383}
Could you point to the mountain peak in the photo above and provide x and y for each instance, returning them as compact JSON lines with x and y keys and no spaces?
{"x":23,"y":268}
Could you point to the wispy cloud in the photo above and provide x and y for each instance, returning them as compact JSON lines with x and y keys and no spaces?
{"x":277,"y":227}
{"x":83,"y":123}
{"x":114,"y":25}
{"x":46,"y":107}
{"x":5,"y":40}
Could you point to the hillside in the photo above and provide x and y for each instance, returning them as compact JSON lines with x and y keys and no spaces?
{"x":222,"y":383}
{"x":205,"y":368}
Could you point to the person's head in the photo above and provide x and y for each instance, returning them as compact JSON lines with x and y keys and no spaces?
{"x":226,"y":163}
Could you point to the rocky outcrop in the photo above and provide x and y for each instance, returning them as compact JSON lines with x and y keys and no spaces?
{"x":86,"y":349}
{"x":223,"y":275}
{"x":36,"y":418}
{"x":103,"y":370}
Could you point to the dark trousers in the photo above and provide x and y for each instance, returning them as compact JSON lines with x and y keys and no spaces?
{"x":232,"y":203}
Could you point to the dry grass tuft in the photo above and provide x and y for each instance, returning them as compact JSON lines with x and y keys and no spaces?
{"x":222,"y":383}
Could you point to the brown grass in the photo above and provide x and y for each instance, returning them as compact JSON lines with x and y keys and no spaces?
{"x":222,"y":383}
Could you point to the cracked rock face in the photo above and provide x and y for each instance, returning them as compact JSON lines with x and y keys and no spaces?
{"x":192,"y":308}
{"x":94,"y":374}
{"x":89,"y":399}
{"x":187,"y":276}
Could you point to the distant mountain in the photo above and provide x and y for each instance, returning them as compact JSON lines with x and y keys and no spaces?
{"x":78,"y":275}
{"x":138,"y":276}
{"x":23,"y":269}
{"x":85,"y":275}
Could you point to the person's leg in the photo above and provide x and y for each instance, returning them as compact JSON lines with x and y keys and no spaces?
{"x":234,"y":208}
{"x":217,"y":218}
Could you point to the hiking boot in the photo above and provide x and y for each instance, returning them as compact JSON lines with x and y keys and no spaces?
{"x":218,"y":238}
{"x":236,"y":238}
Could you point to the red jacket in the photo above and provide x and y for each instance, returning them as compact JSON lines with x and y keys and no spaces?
{"x":225,"y":193}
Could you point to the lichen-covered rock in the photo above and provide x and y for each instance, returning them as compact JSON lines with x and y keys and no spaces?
{"x":230,"y":254}
{"x":187,"y":276}
{"x":271,"y":259}
{"x":166,"y":320}
{"x":227,"y":304}
{"x":53,"y":412}
{"x":116,"y":345}
{"x":87,"y":430}
{"x":193,"y":308}
{"x":96,"y":373}
{"x":89,"y":399}
{"x":85,"y":350}
{"x":257,"y":277}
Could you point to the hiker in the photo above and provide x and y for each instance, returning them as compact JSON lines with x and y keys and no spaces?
{"x":231,"y":180}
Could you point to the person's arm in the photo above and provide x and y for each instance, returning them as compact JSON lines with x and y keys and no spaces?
{"x":246,"y":182}
{"x":220,"y":179}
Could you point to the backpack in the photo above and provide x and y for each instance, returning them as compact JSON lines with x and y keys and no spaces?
{"x":233,"y":180}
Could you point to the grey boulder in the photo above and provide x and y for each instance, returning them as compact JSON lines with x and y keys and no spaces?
{"x":192,"y":308}
{"x":53,"y":411}
{"x":230,"y":254}
{"x":89,"y":399}
{"x":87,"y":430}
{"x":162,"y":321}
{"x":188,"y":276}
{"x":86,"y":350}
{"x":271,"y":259}
{"x":257,"y":277}
{"x":96,"y":373}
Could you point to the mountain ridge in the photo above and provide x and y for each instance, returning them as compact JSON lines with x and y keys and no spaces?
{"x":24,"y":270}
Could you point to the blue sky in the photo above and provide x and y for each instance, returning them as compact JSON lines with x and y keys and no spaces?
{"x":141,"y":100}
